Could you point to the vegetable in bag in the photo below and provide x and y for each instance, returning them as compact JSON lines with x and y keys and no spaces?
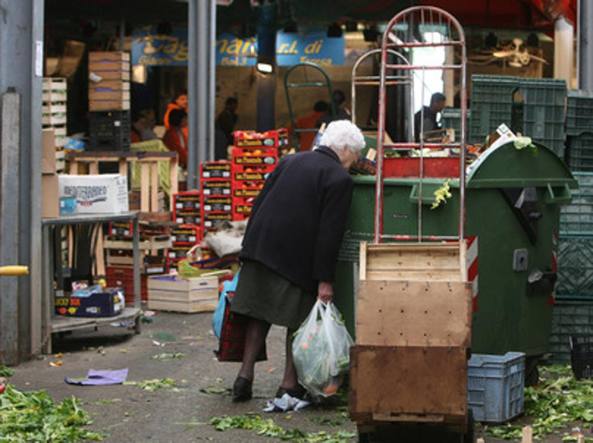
{"x":321,"y":350}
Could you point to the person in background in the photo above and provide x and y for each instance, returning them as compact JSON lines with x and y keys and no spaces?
{"x":180,"y":102}
{"x":342,"y":112}
{"x":227,"y":119}
{"x":311,"y":121}
{"x":437,"y":103}
{"x":291,"y":245}
{"x":175,"y":139}
{"x":143,"y":124}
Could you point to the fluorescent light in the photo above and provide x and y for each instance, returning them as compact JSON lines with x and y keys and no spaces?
{"x":265,"y":68}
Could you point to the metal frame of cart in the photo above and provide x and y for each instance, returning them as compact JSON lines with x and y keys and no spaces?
{"x":52,"y":323}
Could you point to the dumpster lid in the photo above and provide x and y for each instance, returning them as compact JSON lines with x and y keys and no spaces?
{"x":509,"y":167}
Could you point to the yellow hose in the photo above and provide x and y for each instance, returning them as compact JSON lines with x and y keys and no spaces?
{"x":14,"y":270}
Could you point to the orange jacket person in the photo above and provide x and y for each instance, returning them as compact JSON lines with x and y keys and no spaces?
{"x":175,"y":139}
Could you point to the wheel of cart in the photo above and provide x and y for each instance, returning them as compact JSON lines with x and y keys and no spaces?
{"x":413,"y":306}
{"x":311,"y":76}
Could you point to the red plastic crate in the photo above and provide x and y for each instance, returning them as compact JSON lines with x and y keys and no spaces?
{"x":434,"y":167}
{"x":216,"y":203}
{"x":216,"y":188}
{"x":217,"y":170}
{"x":240,"y":217}
{"x":122,"y":277}
{"x":188,"y":200}
{"x":242,"y":156}
{"x":187,"y":219}
{"x":252,"y":139}
{"x":210,"y":220}
{"x":244,"y":173}
{"x":178,"y":252}
{"x":246,"y":192}
{"x":186,"y":235}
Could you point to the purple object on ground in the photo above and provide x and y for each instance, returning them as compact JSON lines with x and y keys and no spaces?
{"x":100,"y":377}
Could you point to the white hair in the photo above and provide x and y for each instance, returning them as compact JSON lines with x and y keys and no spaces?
{"x":343,"y":134}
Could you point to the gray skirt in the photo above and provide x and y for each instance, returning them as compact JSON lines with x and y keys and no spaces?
{"x":265,"y":295}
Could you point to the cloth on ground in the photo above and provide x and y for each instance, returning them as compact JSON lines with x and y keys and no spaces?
{"x":99,"y":377}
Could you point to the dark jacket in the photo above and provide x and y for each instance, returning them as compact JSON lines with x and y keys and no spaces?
{"x":298,"y":220}
{"x":430,"y":122}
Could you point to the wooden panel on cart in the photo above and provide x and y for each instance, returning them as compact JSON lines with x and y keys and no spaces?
{"x":429,"y":261}
{"x":392,"y":384}
{"x":401,"y":313}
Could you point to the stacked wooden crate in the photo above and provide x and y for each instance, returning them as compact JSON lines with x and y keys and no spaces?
{"x":55,"y":96}
{"x":109,"y":101}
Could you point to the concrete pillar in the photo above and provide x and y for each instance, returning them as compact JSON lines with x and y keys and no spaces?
{"x":563,"y":50}
{"x":21,"y":71}
{"x":585,"y":45}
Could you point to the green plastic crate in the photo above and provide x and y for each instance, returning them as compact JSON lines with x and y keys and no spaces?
{"x":451,"y":118}
{"x":569,"y":318}
{"x":579,"y":112}
{"x":579,"y":153}
{"x":575,"y":268}
{"x":576,"y":218}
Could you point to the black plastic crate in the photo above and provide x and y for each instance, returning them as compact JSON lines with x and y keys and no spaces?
{"x":581,"y":356}
{"x":110,"y":131}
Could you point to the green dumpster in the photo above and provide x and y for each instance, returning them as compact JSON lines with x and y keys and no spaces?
{"x":512,"y":207}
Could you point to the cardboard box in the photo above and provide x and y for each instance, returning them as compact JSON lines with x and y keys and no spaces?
{"x":50,"y":203}
{"x":96,"y":194}
{"x":110,"y":75}
{"x":48,"y":152}
{"x":102,"y":66}
{"x":172,"y":293}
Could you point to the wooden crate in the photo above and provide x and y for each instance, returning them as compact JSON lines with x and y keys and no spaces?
{"x":413,"y":328}
{"x":408,"y":384}
{"x":402,"y":313}
{"x":172,"y":293}
{"x":413,"y":261}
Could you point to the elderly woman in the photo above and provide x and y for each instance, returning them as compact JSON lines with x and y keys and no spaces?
{"x":291,"y":246}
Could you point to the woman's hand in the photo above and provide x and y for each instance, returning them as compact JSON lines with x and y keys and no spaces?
{"x":325,"y":292}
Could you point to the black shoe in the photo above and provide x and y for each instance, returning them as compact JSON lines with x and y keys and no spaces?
{"x":298,"y":392}
{"x":242,"y":390}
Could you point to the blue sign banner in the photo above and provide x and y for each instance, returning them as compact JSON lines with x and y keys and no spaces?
{"x":151,"y":49}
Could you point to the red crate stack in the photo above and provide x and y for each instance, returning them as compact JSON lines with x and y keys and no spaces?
{"x":254,"y":157}
{"x":122,"y":277}
{"x":187,"y":230}
{"x":215,"y":183}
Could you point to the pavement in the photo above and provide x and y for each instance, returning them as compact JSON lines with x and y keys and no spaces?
{"x":126,"y":413}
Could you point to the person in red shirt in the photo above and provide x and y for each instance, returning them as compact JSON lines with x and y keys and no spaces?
{"x":175,"y":139}
{"x":311,"y":121}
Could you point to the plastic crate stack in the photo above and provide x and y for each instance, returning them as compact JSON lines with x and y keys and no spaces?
{"x":187,"y":229}
{"x":451,"y":119}
{"x":109,"y":101}
{"x":533,"y":107}
{"x":579,"y":130}
{"x":154,"y":242}
{"x":55,"y":97}
{"x":254,"y":157}
{"x":216,"y":200}
{"x":573,"y":311}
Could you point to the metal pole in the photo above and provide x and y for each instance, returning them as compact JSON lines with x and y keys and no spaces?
{"x":585,"y":44}
{"x":201,"y":36}
{"x":266,"y":83}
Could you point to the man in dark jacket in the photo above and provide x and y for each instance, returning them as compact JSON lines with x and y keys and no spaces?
{"x":425,"y":120}
{"x":291,"y":246}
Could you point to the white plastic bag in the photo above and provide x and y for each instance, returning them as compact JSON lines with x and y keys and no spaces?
{"x":321,"y":350}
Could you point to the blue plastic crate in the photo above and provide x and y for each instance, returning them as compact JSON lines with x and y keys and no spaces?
{"x":496,"y":385}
